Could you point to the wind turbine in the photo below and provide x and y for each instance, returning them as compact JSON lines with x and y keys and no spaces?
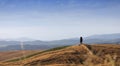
{"x":23,"y":52}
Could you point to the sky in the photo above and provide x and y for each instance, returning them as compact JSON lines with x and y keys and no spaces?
{"x":58,"y":19}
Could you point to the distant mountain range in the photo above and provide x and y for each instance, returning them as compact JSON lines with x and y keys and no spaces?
{"x":30,"y":44}
{"x":105,"y":38}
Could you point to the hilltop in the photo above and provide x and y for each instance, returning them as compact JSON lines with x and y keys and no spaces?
{"x":82,"y":55}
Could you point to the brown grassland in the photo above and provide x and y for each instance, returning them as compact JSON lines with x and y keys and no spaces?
{"x":77,"y":55}
{"x":7,"y":55}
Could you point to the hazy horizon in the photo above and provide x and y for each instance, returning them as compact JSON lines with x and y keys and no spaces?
{"x":58,"y":19}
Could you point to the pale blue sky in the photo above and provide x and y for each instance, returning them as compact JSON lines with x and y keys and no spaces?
{"x":58,"y":19}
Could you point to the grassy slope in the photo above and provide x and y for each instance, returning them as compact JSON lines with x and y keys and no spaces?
{"x":75,"y":55}
{"x":40,"y":52}
{"x":82,"y":55}
{"x":7,"y":55}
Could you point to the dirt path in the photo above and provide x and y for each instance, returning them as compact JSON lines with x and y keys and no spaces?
{"x":89,"y":51}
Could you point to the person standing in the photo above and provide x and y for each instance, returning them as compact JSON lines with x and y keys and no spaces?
{"x":81,"y":40}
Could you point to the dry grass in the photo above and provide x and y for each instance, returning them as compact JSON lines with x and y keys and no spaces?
{"x":8,"y":55}
{"x":83,"y":55}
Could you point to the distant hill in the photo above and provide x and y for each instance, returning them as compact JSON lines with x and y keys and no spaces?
{"x":104,"y":38}
{"x":38,"y":44}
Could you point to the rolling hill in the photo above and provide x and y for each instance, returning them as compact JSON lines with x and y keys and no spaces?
{"x":77,"y":55}
{"x":7,"y":55}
